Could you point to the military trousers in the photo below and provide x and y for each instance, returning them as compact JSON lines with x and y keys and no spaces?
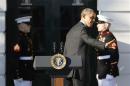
{"x":108,"y":81}
{"x":21,"y":82}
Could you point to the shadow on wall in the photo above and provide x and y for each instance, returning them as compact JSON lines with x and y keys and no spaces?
{"x":124,"y":52}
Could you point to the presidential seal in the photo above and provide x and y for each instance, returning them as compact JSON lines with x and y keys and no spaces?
{"x":58,"y":61}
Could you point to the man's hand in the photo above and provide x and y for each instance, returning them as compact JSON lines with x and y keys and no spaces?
{"x":16,"y":48}
{"x":112,"y":44}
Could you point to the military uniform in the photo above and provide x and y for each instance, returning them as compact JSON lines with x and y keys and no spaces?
{"x":23,"y":72}
{"x":107,"y":61}
{"x":24,"y":57}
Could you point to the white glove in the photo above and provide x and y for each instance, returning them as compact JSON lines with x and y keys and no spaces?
{"x":109,"y":77}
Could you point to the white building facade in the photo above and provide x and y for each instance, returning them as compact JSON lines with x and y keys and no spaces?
{"x":117,"y":10}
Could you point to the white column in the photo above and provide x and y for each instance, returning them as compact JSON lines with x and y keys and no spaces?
{"x":2,"y":42}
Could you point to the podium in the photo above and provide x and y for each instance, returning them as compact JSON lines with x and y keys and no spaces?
{"x":57,"y":74}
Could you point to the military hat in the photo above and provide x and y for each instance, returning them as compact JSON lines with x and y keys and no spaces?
{"x":24,"y":19}
{"x":104,"y":18}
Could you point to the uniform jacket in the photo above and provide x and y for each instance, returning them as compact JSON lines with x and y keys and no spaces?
{"x":106,"y":66}
{"x":23,"y":68}
{"x":80,"y":42}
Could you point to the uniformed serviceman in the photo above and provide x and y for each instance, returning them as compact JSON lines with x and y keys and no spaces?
{"x":23,"y":53}
{"x":107,"y":61}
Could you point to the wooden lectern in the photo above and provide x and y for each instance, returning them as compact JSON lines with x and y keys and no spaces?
{"x":57,"y":75}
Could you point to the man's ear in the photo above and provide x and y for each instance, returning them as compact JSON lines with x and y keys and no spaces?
{"x":84,"y":16}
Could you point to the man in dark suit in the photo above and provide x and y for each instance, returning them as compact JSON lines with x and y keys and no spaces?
{"x":80,"y":41}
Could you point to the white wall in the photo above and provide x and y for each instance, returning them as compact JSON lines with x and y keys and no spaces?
{"x":113,"y":5}
{"x":2,"y":42}
{"x":119,"y":12}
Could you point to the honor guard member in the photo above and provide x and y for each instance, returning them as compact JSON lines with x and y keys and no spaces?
{"x":107,"y":61}
{"x":23,"y":52}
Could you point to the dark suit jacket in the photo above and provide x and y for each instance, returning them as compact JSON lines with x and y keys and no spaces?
{"x":80,"y":42}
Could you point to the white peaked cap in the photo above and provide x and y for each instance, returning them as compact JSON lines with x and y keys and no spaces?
{"x":23,"y":19}
{"x":104,"y":18}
